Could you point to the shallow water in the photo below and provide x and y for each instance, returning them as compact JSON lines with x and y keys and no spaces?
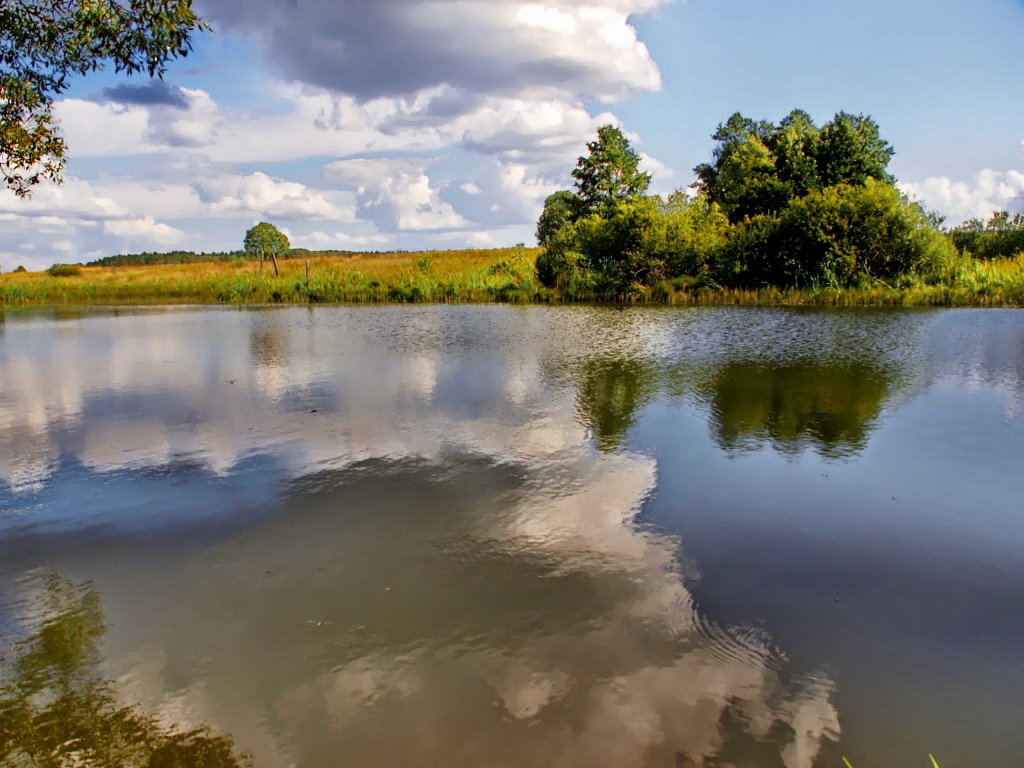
{"x":469,"y":536}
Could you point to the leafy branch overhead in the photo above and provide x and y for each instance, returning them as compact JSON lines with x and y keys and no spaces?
{"x":45,"y":43}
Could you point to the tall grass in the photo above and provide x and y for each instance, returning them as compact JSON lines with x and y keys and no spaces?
{"x":499,"y":275}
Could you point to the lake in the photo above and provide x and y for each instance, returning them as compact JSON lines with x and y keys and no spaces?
{"x":502,"y":536}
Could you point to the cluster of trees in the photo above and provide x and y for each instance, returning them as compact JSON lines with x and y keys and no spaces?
{"x":1001,"y":236}
{"x":787,"y":204}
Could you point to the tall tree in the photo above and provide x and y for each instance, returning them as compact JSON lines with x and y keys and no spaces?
{"x":610,"y":174}
{"x":43,"y":43}
{"x":266,"y":240}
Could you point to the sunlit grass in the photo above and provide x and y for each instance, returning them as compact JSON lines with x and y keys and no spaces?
{"x":497,"y":275}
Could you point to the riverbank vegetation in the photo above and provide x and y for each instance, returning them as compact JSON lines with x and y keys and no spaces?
{"x":783,"y":213}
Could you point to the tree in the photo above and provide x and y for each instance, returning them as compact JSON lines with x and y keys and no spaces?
{"x":759,"y":167}
{"x":43,"y":43}
{"x":610,"y":174}
{"x":266,"y":240}
{"x":560,"y":209}
{"x":851,"y":151}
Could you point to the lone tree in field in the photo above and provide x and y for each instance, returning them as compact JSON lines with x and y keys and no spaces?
{"x":610,"y":174}
{"x":266,"y":240}
{"x":43,"y":43}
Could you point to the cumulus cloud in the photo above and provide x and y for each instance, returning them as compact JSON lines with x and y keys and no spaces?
{"x":399,"y":47}
{"x":144,"y":230}
{"x":961,"y":200}
{"x":396,"y":193}
{"x":261,"y":194}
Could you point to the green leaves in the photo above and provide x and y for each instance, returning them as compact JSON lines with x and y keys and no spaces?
{"x":266,"y":240}
{"x":610,"y":174}
{"x":43,"y":43}
{"x":759,"y":167}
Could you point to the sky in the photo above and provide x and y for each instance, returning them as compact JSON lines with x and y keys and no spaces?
{"x":429,"y":124}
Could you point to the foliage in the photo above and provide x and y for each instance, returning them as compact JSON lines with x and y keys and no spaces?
{"x":57,"y":709}
{"x":638,"y":244}
{"x":1001,"y":236}
{"x":20,"y":268}
{"x":836,"y":236}
{"x":43,"y":43}
{"x":264,"y":240}
{"x":610,"y":174}
{"x":64,"y":270}
{"x":759,"y":167}
{"x":497,"y":275}
{"x":560,"y":209}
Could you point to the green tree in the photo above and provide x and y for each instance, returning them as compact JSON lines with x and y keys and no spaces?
{"x":560,"y":209}
{"x":759,"y":167}
{"x":43,"y":43}
{"x":610,"y":174}
{"x":851,"y":151}
{"x":266,"y":240}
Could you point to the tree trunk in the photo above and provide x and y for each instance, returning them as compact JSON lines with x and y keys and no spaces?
{"x":273,"y":258}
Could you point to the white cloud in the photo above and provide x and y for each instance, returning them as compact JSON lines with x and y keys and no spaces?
{"x":372,"y":50}
{"x":144,"y":230}
{"x":263,"y":195}
{"x":959,"y":200}
{"x":396,"y":193}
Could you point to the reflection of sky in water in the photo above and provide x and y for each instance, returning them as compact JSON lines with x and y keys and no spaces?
{"x":324,"y":528}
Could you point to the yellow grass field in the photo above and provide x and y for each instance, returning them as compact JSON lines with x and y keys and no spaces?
{"x":471,"y":276}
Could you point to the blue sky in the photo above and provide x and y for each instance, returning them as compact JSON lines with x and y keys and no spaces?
{"x":444,"y":123}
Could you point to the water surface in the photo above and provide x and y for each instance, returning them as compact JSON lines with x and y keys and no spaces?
{"x":500,"y":536}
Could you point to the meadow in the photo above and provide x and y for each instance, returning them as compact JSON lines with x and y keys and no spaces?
{"x":504,"y":275}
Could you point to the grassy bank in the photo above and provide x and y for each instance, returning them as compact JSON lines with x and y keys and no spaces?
{"x":477,"y":276}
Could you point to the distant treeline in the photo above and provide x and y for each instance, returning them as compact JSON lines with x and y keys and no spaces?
{"x":999,"y":237}
{"x":191,"y":257}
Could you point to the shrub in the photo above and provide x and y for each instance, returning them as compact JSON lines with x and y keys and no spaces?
{"x":838,"y":236}
{"x":20,"y":268}
{"x":64,"y":270}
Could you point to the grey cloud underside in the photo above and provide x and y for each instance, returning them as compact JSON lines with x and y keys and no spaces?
{"x":154,"y":93}
{"x":391,"y":48}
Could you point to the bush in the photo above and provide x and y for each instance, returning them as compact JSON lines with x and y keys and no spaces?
{"x":64,"y":270}
{"x":639,"y":244}
{"x":20,"y":268}
{"x":836,"y":236}
{"x":1001,"y":237}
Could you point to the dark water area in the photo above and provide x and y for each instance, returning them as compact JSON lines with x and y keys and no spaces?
{"x":499,"y":536}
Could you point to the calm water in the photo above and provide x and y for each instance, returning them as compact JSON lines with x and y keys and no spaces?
{"x":490,"y":536}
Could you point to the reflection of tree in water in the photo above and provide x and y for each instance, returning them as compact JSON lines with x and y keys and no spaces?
{"x":831,"y":406}
{"x":609,"y":394}
{"x":55,"y":709}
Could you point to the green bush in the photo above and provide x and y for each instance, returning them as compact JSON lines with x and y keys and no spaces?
{"x":836,"y":236}
{"x":1002,"y":236}
{"x":20,"y":268}
{"x":64,"y":270}
{"x":638,"y":244}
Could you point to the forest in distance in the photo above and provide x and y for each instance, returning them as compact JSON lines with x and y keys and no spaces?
{"x":787,"y":213}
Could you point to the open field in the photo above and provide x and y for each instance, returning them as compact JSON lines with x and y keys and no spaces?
{"x":474,"y":276}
